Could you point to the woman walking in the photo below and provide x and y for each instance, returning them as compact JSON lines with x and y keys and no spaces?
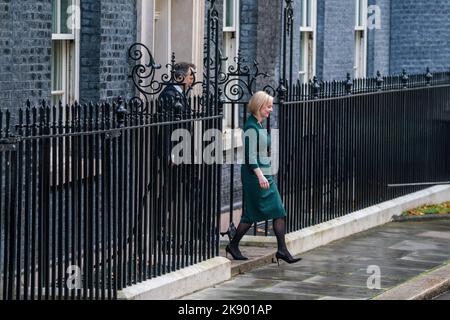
{"x":262,"y":199}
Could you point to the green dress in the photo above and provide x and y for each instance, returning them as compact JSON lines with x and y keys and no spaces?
{"x":259,"y":204}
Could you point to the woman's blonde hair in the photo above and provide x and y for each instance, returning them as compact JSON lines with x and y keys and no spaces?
{"x":258,"y":100}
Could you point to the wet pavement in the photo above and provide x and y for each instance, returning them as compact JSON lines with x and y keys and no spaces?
{"x":345,"y":269}
{"x":445,"y":296}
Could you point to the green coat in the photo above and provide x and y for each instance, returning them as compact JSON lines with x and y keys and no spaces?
{"x":259,"y":204}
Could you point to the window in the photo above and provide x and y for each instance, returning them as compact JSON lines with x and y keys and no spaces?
{"x":230,"y":50}
{"x":230,"y":10}
{"x":360,"y":38}
{"x":65,"y":50}
{"x":307,"y":40}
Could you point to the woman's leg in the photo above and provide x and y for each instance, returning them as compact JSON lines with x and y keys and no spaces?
{"x":279,"y":227}
{"x":241,"y":230}
{"x":233,"y":247}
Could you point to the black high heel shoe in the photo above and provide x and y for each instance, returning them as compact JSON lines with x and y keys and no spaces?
{"x":235,"y":255}
{"x":286,"y":258}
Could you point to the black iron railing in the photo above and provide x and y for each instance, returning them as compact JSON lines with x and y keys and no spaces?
{"x":342,"y":154}
{"x":316,"y":89}
{"x":91,"y":201}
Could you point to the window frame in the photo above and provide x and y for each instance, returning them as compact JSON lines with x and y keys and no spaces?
{"x":236,"y":10}
{"x":231,"y":135}
{"x":70,"y":52}
{"x":60,"y":35}
{"x":304,"y":14}
{"x":360,"y":30}
{"x":305,"y":33}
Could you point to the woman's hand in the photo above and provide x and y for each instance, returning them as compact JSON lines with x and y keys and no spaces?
{"x":263,"y":182}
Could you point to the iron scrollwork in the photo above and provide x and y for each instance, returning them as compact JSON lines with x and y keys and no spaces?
{"x":143,"y":74}
{"x":240,"y":80}
{"x":233,"y":84}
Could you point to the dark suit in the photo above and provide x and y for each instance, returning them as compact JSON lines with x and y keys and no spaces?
{"x":175,"y":100}
{"x":174,"y":105}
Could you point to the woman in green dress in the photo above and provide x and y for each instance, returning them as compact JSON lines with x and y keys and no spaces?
{"x":262,"y":199}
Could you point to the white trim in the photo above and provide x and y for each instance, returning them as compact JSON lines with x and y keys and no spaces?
{"x":162,"y":30}
{"x":58,"y":35}
{"x":70,"y":62}
{"x":307,"y":31}
{"x":234,"y":27}
{"x":304,"y":14}
{"x":361,"y":29}
{"x":364,"y":14}
{"x":58,"y":15}
{"x":228,"y":116}
{"x":62,"y":36}
{"x":146,"y":17}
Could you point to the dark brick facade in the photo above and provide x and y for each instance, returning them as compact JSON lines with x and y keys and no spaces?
{"x":108,"y":30}
{"x":118,"y":33}
{"x":420,"y":35}
{"x":25,"y":49}
{"x":413,"y":35}
{"x":335,"y":38}
{"x":90,"y":51}
{"x":379,"y":41}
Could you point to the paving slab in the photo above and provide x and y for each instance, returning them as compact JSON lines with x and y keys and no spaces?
{"x":341,"y":270}
{"x":423,"y":287}
{"x":445,"y":296}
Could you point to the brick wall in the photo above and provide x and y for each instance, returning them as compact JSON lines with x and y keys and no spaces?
{"x":118,"y":25}
{"x":378,"y":46}
{"x":248,"y":29}
{"x":108,"y":29}
{"x":335,"y":38}
{"x":90,"y":51}
{"x":420,"y":35}
{"x":25,"y":49}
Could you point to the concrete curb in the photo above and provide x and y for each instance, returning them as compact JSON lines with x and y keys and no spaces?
{"x":359,"y":221}
{"x":253,"y":264}
{"x":424,"y":287}
{"x":180,"y":283}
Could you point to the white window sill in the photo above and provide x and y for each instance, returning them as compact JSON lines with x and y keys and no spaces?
{"x":306,"y":29}
{"x":62,"y":36}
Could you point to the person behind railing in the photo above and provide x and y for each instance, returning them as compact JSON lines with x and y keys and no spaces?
{"x":175,"y":105}
{"x":174,"y":97}
{"x":262,"y":199}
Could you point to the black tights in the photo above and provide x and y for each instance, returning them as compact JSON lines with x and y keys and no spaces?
{"x":279,"y":226}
